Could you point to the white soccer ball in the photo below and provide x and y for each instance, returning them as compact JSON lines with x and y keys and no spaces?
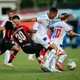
{"x":71,"y":65}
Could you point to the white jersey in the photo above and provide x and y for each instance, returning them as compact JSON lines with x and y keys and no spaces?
{"x":60,"y":29}
{"x":44,"y":23}
{"x":2,"y":25}
{"x":35,"y":26}
{"x":41,"y":26}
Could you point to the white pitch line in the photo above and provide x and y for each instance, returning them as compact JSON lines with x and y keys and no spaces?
{"x":75,"y":59}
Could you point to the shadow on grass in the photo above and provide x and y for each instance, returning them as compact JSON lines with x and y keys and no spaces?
{"x":11,"y":70}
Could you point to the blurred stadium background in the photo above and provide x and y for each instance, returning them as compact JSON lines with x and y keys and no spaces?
{"x":30,"y":70}
{"x":33,"y":8}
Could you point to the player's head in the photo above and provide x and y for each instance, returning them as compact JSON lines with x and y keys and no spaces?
{"x":52,"y":13}
{"x":10,"y":15}
{"x":9,"y":24}
{"x":64,"y":16}
{"x":16,"y":19}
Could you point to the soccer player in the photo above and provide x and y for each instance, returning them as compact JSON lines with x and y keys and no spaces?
{"x":60,"y":30}
{"x":7,"y":53}
{"x":6,"y":44}
{"x":22,"y":37}
{"x":41,"y":36}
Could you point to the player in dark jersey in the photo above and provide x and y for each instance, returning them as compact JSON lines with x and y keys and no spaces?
{"x":6,"y":44}
{"x":22,"y":37}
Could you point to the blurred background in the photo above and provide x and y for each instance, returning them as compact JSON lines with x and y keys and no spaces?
{"x":33,"y":8}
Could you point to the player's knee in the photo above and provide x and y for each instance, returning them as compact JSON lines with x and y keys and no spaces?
{"x":54,"y":47}
{"x":65,"y":55}
{"x":15,"y":51}
{"x":53,"y":51}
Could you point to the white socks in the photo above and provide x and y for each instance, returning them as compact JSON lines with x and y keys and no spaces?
{"x":7,"y":56}
{"x":30,"y":56}
{"x":53,"y":62}
{"x":62,"y":57}
{"x":50,"y":56}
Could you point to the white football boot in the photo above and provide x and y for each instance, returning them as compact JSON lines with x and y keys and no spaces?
{"x":10,"y":65}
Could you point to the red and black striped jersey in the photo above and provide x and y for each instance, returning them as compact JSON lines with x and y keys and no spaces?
{"x":9,"y":29}
{"x":21,"y":35}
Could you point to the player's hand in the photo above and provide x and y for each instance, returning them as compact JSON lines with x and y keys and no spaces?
{"x":79,"y":35}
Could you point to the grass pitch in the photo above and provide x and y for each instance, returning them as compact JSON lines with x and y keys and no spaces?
{"x":30,"y":70}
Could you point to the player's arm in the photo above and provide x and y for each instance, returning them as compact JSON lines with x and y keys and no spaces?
{"x":73,"y":33}
{"x":32,"y":31}
{"x":29,"y":20}
{"x":2,"y":28}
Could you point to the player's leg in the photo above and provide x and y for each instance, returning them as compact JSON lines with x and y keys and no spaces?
{"x":12,"y":56}
{"x":45,"y":42}
{"x":33,"y":48}
{"x":62,"y":57}
{"x":7,"y":56}
{"x":30,"y":57}
{"x":46,"y":55}
{"x":51,"y":54}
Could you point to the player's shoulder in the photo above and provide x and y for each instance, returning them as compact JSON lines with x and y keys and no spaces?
{"x":43,"y":16}
{"x":24,"y":27}
{"x":62,"y":23}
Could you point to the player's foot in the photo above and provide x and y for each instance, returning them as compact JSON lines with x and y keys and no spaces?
{"x":45,"y":67}
{"x":5,"y":64}
{"x":55,"y":70}
{"x":59,"y":65}
{"x":10,"y":65}
{"x":31,"y":59}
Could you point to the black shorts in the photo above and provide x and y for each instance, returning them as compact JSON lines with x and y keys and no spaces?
{"x":31,"y":48}
{"x":5,"y":44}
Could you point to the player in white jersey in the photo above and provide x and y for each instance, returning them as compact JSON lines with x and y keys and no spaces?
{"x":7,"y":53}
{"x":60,"y":30}
{"x":41,"y":36}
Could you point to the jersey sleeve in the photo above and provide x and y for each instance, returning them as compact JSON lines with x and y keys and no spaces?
{"x":67,"y":28}
{"x":3,"y":23}
{"x":35,"y":26}
{"x":25,"y":28}
{"x":8,"y":25}
{"x":40,"y":19}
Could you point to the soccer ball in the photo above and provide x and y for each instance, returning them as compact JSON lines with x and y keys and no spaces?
{"x":71,"y":65}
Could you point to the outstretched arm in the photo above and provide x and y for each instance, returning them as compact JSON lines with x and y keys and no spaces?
{"x":33,"y":31}
{"x":73,"y":33}
{"x":29,"y":20}
{"x":2,"y":28}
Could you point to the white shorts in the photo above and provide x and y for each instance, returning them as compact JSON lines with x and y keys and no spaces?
{"x":43,"y":40}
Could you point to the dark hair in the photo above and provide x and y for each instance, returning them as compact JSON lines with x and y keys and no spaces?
{"x":53,"y":9}
{"x":8,"y":25}
{"x":65,"y":16}
{"x":10,"y":12}
{"x":15,"y":17}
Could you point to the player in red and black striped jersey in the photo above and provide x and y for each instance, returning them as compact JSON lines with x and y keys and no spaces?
{"x":22,"y":37}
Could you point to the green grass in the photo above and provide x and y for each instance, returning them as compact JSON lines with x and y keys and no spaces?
{"x":30,"y":70}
